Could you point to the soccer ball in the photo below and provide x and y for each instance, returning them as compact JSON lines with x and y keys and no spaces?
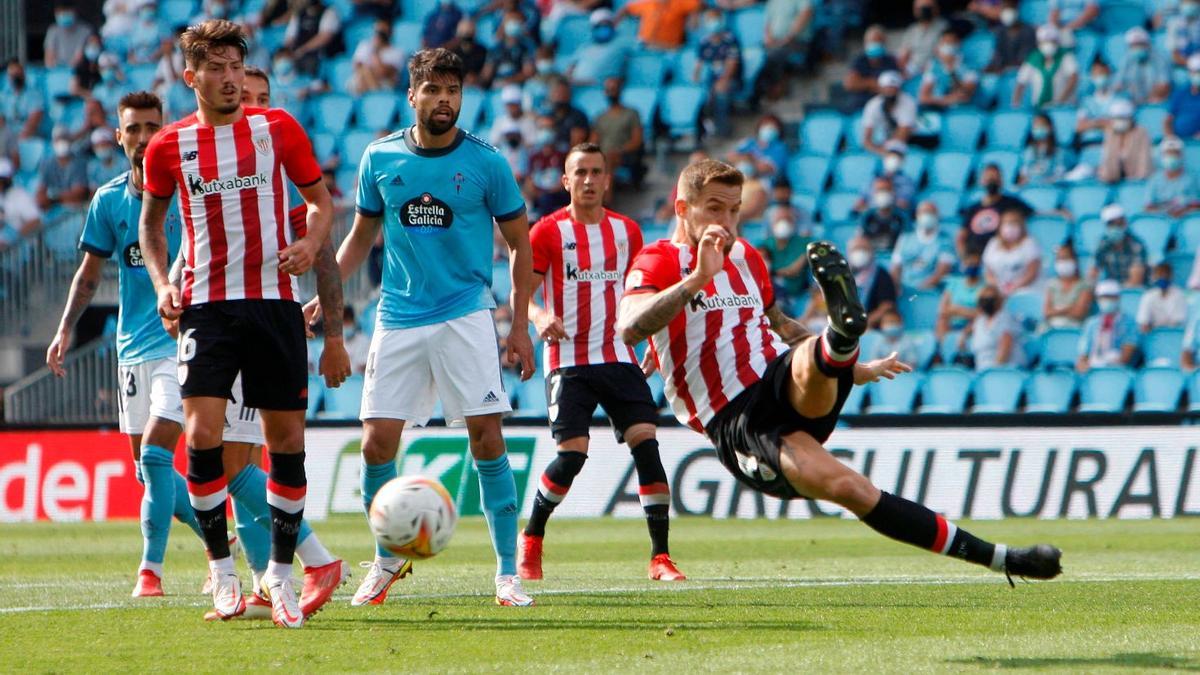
{"x":413,"y":517}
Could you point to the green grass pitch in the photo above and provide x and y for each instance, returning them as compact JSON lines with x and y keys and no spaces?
{"x":800,"y":596}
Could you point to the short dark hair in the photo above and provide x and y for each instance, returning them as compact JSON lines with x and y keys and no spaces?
{"x":587,"y":149}
{"x":253,"y":71}
{"x":427,"y":63}
{"x":140,"y":100}
{"x":197,"y":41}
{"x":697,"y":176}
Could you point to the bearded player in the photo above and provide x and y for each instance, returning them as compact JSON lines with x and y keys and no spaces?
{"x":765,"y":391}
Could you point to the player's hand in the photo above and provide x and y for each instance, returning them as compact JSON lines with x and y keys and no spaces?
{"x":520,"y":350}
{"x":873,"y":371}
{"x":172,"y":327}
{"x":712,"y":251}
{"x":335,"y":362}
{"x":57,"y":352}
{"x":550,"y":328}
{"x":298,"y":258}
{"x":312,"y":314}
{"x":170,"y":304}
{"x":647,"y":364}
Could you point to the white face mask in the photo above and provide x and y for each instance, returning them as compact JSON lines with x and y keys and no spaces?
{"x":892,"y":163}
{"x":1107,"y":305}
{"x":927,"y":222}
{"x":503,"y":328}
{"x":61,"y":148}
{"x":1010,"y":232}
{"x":783,"y":228}
{"x":882,"y":200}
{"x":1048,"y":49}
{"x":1121,"y":124}
{"x":1065,"y":268}
{"x":1008,"y":16}
{"x":859,"y":258}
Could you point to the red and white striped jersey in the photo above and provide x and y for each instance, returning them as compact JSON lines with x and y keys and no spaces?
{"x":232,"y":183}
{"x":584,"y":268}
{"x":721,"y":342}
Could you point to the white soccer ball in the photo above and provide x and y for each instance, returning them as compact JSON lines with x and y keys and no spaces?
{"x":413,"y":517}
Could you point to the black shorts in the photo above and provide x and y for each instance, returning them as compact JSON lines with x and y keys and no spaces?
{"x":747,"y":430}
{"x":573,"y":393}
{"x":263,"y":339}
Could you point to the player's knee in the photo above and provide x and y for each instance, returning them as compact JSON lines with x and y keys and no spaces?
{"x":486,"y":441}
{"x":375,"y":452}
{"x":851,"y":491}
{"x":638,"y":433}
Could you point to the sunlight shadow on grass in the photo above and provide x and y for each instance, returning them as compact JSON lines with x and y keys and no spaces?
{"x":1126,"y":660}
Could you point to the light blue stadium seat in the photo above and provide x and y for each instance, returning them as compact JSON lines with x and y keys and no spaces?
{"x":821,"y":133}
{"x":1154,"y":231}
{"x":178,"y":8}
{"x":1063,"y":118}
{"x":406,"y":36}
{"x":58,"y":81}
{"x":1005,"y":85}
{"x":1150,"y":118}
{"x":949,"y":345}
{"x":753,"y":60}
{"x":1194,"y":392}
{"x":1008,"y":161}
{"x":1049,"y":391}
{"x":357,"y":30}
{"x":646,"y":69}
{"x":1086,"y":200}
{"x":961,"y":129}
{"x":683,"y":69}
{"x":1026,"y":305}
{"x":1035,"y":12}
{"x":316,"y":390}
{"x":1049,"y":232}
{"x":472,"y":107}
{"x":65,"y":111}
{"x":1191,"y":154}
{"x":949,"y":170}
{"x":531,"y":398}
{"x":657,"y":389}
{"x":1008,"y":129}
{"x":1087,"y":236}
{"x":501,"y":280}
{"x":805,"y":202}
{"x":1105,"y":389}
{"x":1130,"y":299}
{"x":1060,"y":348}
{"x":1087,"y":43}
{"x":853,"y":133}
{"x":354,"y":144}
{"x":1187,"y":235}
{"x":324,"y":145}
{"x":573,"y":32}
{"x":998,"y":390}
{"x":945,"y":391}
{"x":1114,"y":50}
{"x":985,"y":91}
{"x":977,"y":49}
{"x":841,"y":233}
{"x":31,"y":151}
{"x":1041,"y":197}
{"x":947,"y":201}
{"x":854,"y":172}
{"x":1161,"y":347}
{"x":854,"y":401}
{"x":680,"y":108}
{"x":1181,"y":265}
{"x":590,"y":101}
{"x":345,"y":402}
{"x":894,"y":396}
{"x":332,"y":113}
{"x":338,"y":72}
{"x":808,"y":173}
{"x":920,"y":309}
{"x":645,"y":101}
{"x":485,"y":29}
{"x":1118,"y":17}
{"x":838,"y":208}
{"x":915,"y":161}
{"x":140,"y":77}
{"x":925,"y":345}
{"x":749,"y":25}
{"x":377,"y":110}
{"x":1158,"y":389}
{"x":1131,"y":195}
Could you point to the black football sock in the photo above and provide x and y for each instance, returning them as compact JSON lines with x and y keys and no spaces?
{"x":556,"y":481}
{"x":654,"y":493}
{"x":834,"y":352}
{"x":909,"y":522}
{"x":208,"y":493}
{"x":286,"y":490}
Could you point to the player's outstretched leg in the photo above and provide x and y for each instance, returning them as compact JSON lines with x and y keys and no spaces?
{"x":655,"y":494}
{"x":556,"y":482}
{"x":208,"y":491}
{"x":381,"y":440}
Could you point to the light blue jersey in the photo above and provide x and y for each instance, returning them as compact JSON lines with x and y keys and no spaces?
{"x":112,"y":227}
{"x":437,"y":208}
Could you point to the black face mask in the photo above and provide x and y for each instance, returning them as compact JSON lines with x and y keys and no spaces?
{"x":513,"y":142}
{"x":384,"y":36}
{"x":988,"y":305}
{"x":613,"y":99}
{"x":992,"y":188}
{"x":4,"y":185}
{"x":891,"y":99}
{"x":18,"y":81}
{"x":925,"y":13}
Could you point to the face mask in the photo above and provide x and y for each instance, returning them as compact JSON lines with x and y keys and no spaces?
{"x":1114,"y":232}
{"x":874,"y":50}
{"x":992,"y":187}
{"x":1139,"y":53}
{"x":545,"y":67}
{"x":1048,"y":49}
{"x":859,"y":259}
{"x":103,"y":152}
{"x":892,"y":331}
{"x":384,"y":36}
{"x":1008,"y":16}
{"x":1172,"y":162}
{"x":948,"y":51}
{"x":513,"y":142}
{"x":988,"y":305}
{"x":883,"y":199}
{"x":1194,"y":78}
{"x":1039,"y":133}
{"x":1162,"y":284}
{"x":283,"y":67}
{"x":767,"y":133}
{"x":925,"y":13}
{"x":1108,"y":305}
{"x":613,"y":99}
{"x":108,"y":75}
{"x":747,"y":169}
{"x":711,"y":25}
{"x":1099,"y":82}
{"x":603,"y":33}
{"x":1122,"y":124}
{"x":92,"y":52}
{"x":18,"y":81}
{"x":513,"y":29}
{"x":65,"y":19}
{"x":892,"y":163}
{"x":503,"y":328}
{"x":1190,"y":10}
{"x":890,"y":99}
{"x":545,"y":137}
{"x":4,"y":185}
{"x":783,"y":228}
{"x":1065,"y":268}
{"x":61,"y":148}
{"x":971,"y":271}
{"x":146,"y":14}
{"x":1010,"y":232}
{"x":927,"y":222}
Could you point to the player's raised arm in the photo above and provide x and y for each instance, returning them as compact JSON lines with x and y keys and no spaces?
{"x":520,"y":257}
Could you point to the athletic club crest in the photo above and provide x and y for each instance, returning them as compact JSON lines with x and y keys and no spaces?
{"x":263,"y":144}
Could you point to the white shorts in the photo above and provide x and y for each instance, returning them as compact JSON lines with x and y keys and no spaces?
{"x":151,"y":389}
{"x":458,"y":361}
{"x":241,"y":422}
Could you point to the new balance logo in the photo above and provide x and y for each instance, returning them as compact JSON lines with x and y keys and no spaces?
{"x":491,"y":398}
{"x":190,"y":156}
{"x":398,"y":180}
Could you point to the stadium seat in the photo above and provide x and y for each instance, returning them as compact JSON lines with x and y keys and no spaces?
{"x":344,"y":402}
{"x":58,"y":82}
{"x":177,"y":8}
{"x":1114,"y":50}
{"x":977,"y":50}
{"x":338,"y":72}
{"x":1187,"y":235}
{"x":1026,"y":305}
{"x":590,"y":101}
{"x":1084,"y":201}
{"x":838,"y":208}
{"x":501,"y":280}
{"x":1105,"y":389}
{"x":1060,"y":348}
{"x":573,"y":32}
{"x":1161,"y":347}
{"x":854,"y":172}
{"x":1191,"y":154}
{"x":808,"y":173}
{"x":1063,"y":118}
{"x":748,"y":25}
{"x":1008,"y":161}
{"x":1049,"y":232}
{"x":1131,"y":195}
{"x":645,"y":101}
{"x":753,"y":61}
{"x":985,"y":91}
{"x":324,"y":145}
{"x":1041,"y":198}
{"x":915,"y":161}
{"x":657,"y":388}
{"x":646,"y":69}
{"x":1181,"y":265}
{"x":1008,"y":129}
{"x":947,"y":201}
{"x":948,"y":347}
{"x":31,"y":151}
{"x":683,"y":69}
{"x":1049,"y":392}
{"x":332,"y":113}
{"x":472,"y":107}
{"x":841,"y":233}
{"x":406,"y":36}
{"x":925,"y":345}
{"x":1118,"y":17}
{"x":853,"y":133}
{"x":1158,"y":389}
{"x":140,"y":77}
{"x":1194,"y":392}
{"x":1035,"y":12}
{"x":854,"y":401}
{"x":377,"y":110}
{"x":1087,"y":236}
{"x":1087,"y":43}
{"x":354,"y":145}
{"x":945,"y":390}
{"x":961,"y":129}
{"x":681,"y":108}
{"x":1130,"y":299}
{"x":821,"y":133}
{"x":531,"y":398}
{"x":316,"y":390}
{"x":998,"y":390}
{"x":920,"y":309}
{"x":1150,"y":118}
{"x":894,"y":396}
{"x":949,"y":170}
{"x":1154,"y":231}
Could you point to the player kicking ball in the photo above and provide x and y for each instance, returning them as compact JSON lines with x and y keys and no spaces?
{"x":238,"y":305}
{"x":765,"y":391}
{"x":581,"y":253}
{"x":435,"y":191}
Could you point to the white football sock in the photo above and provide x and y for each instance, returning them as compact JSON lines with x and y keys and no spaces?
{"x":312,"y":553}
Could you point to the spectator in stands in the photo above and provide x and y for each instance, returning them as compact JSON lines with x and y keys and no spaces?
{"x":924,"y":256}
{"x":661,"y":23}
{"x":1183,"y":32}
{"x":891,"y":115}
{"x":1013,"y":260}
{"x":1068,"y":298}
{"x":9,"y":144}
{"x":1163,"y":305}
{"x":958,"y":306}
{"x":528,"y":13}
{"x":816,"y":315}
{"x":1092,"y":117}
{"x":441,"y":24}
{"x":618,"y":132}
{"x":892,"y":167}
{"x":993,"y":338}
{"x":511,"y":60}
{"x":1043,"y":162}
{"x":120,"y":18}
{"x":862,"y":81}
{"x":112,"y":86}
{"x":876,"y":289}
{"x":1144,"y":75}
{"x":62,"y":177}
{"x":922,"y":36}
{"x":377,"y":64}
{"x":1126,"y":151}
{"x":1191,"y":346}
{"x":1015,"y":40}
{"x":1183,"y":109}
{"x":982,"y":219}
{"x":63,"y":45}
{"x":893,"y":340}
{"x":766,"y":148}
{"x":755,"y":196}
{"x":985,"y":12}
{"x":947,"y":81}
{"x":473,"y":54}
{"x":543,"y":187}
{"x":1050,"y":74}
{"x":1121,"y":255}
{"x":571,"y":125}
{"x":86,"y":72}
{"x":514,"y":114}
{"x":22,"y":104}
{"x":785,"y":251}
{"x":1072,"y":15}
{"x":605,"y":56}
{"x":170,"y":66}
{"x":145,"y":40}
{"x":104,"y":165}
{"x":718,"y":69}
{"x":314,"y":32}
{"x":290,"y":87}
{"x":786,"y":37}
{"x":1109,"y":338}
{"x":211,"y":9}
{"x":19,"y":215}
{"x":882,"y":224}
{"x":1162,"y":12}
{"x":1173,"y":190}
